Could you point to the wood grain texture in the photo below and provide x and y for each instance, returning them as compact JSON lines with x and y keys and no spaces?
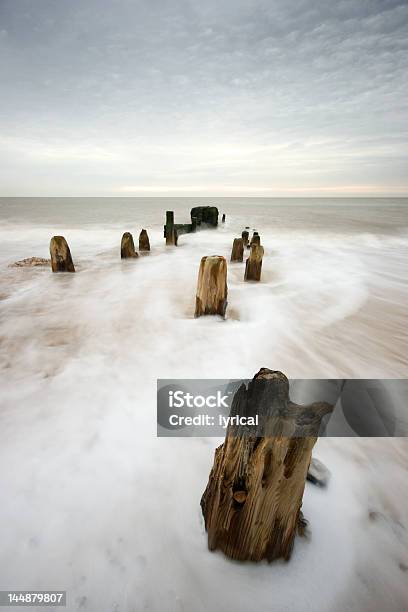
{"x":237,"y":253}
{"x":253,"y":265}
{"x":211,"y":296}
{"x":127,"y":246}
{"x":144,"y":242}
{"x":252,"y":503}
{"x":61,"y":260}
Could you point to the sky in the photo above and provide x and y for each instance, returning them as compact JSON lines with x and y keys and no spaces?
{"x":204,"y":97}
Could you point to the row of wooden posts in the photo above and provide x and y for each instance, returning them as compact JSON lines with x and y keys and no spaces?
{"x":255,"y":513}
{"x":61,"y":258}
{"x":253,"y":266}
{"x":252,"y":503}
{"x":212,"y":289}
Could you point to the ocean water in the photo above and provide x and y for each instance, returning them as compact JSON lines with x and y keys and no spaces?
{"x":92,"y":502}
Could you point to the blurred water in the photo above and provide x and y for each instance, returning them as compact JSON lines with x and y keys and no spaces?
{"x":91,"y":500}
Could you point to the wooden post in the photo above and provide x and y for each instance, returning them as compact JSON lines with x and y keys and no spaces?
{"x":252,"y":503}
{"x":245,"y":238}
{"x":256,"y":239}
{"x":223,"y":218}
{"x":193,"y":224}
{"x":127,"y":246}
{"x":253,"y":266}
{"x":211,"y":296}
{"x":237,"y":253}
{"x":61,"y":260}
{"x":144,"y":243}
{"x":170,"y":230}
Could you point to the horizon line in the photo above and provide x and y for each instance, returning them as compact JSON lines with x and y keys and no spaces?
{"x":246,"y":196}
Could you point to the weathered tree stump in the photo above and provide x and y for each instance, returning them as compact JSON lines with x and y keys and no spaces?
{"x":61,"y":260}
{"x":237,"y":253}
{"x":127,"y":246}
{"x":245,"y":237}
{"x":253,"y":266}
{"x":223,"y":218}
{"x":252,"y":503}
{"x":144,"y":243}
{"x":211,"y":296}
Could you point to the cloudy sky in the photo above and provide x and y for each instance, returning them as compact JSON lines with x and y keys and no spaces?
{"x":204,"y":97}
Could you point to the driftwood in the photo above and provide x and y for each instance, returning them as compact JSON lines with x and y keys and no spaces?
{"x":211,"y":296}
{"x":61,"y":260}
{"x":144,"y":243}
{"x":252,"y":503}
{"x":253,"y":266}
{"x":237,"y":253}
{"x":245,"y":237}
{"x":127,"y":246}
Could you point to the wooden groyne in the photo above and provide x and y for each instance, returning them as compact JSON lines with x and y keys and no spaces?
{"x":200,"y":216}
{"x":172,"y":230}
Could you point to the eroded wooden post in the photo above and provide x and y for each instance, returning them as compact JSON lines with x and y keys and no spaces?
{"x":144,"y":243}
{"x":256,"y":239}
{"x":223,"y":218}
{"x":61,"y":260}
{"x":252,"y":503}
{"x":237,"y":253}
{"x":245,"y":238}
{"x":170,"y":230}
{"x":127,"y":246}
{"x":211,"y":296}
{"x":253,"y":266}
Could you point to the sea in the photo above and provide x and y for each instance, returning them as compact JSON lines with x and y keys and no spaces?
{"x":92,"y":501}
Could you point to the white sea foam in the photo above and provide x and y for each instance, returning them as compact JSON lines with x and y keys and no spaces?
{"x":94,"y":503}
